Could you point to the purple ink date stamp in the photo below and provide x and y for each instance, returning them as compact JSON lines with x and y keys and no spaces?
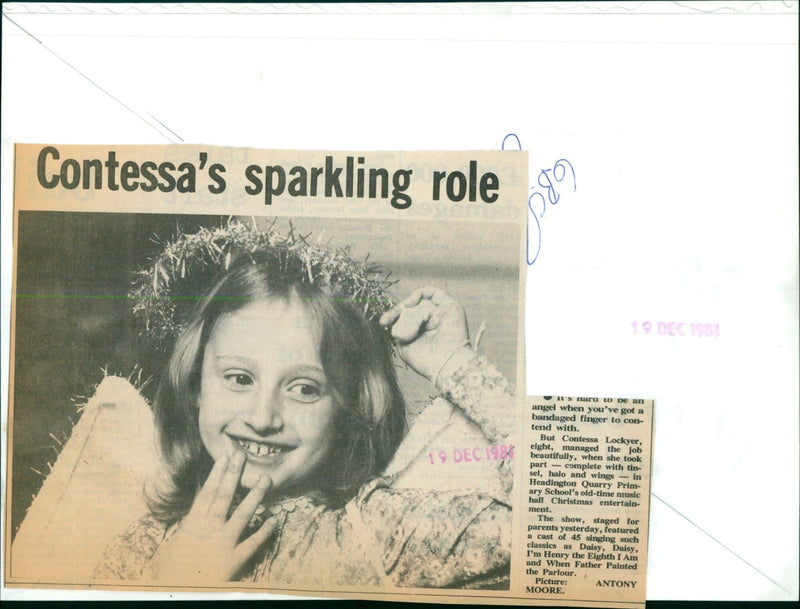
{"x":677,"y":328}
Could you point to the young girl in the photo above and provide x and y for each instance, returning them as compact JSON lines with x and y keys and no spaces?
{"x":277,"y":416}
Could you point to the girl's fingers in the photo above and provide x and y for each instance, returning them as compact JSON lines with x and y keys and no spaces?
{"x":390,"y":316}
{"x":205,"y":497}
{"x":250,"y":546}
{"x":241,"y":515}
{"x":436,"y":295}
{"x":226,"y":488}
{"x":411,"y":321}
{"x":412,"y":299}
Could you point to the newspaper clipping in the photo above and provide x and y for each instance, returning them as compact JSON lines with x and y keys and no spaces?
{"x":300,"y":372}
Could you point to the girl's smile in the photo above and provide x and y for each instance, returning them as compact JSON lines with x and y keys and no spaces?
{"x":254,"y":448}
{"x":263,"y":391}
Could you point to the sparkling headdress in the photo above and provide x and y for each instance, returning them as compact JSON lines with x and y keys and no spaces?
{"x":175,"y":279}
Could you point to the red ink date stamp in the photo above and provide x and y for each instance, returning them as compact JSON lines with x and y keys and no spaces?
{"x":677,"y":328}
{"x":473,"y":454}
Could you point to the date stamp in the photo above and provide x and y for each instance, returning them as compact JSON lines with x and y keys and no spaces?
{"x":677,"y":328}
{"x":473,"y":454}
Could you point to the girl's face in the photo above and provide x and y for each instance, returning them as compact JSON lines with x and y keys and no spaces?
{"x":263,"y":391}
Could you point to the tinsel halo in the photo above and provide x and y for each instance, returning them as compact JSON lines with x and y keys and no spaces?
{"x":175,"y":279}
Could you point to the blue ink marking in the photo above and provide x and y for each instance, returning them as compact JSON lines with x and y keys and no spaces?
{"x":514,"y":135}
{"x":547,"y":182}
{"x":538,"y":228}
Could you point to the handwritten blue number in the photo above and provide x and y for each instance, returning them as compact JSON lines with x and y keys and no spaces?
{"x":560,"y":165}
{"x":511,"y":135}
{"x":538,"y":229}
{"x":552,"y":195}
{"x":544,"y":180}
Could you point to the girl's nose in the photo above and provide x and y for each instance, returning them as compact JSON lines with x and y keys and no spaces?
{"x":265,"y":415}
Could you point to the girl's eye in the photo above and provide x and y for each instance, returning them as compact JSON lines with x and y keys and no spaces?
{"x":239,"y":379}
{"x":305,"y":392}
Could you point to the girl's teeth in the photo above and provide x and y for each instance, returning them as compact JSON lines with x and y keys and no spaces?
{"x":259,"y":450}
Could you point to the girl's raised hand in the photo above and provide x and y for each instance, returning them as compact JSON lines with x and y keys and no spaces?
{"x":207,"y":546}
{"x":429,"y":327}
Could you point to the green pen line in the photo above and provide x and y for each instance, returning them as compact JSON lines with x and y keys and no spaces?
{"x":169,"y":297}
{"x":92,"y":296}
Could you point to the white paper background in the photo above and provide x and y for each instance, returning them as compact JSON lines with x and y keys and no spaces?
{"x":680,"y":120}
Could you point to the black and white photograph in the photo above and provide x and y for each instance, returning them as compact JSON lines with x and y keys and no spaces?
{"x":300,"y":403}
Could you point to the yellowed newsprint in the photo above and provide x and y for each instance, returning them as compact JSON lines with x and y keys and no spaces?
{"x":300,"y":372}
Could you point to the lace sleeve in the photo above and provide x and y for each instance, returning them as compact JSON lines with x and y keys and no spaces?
{"x":486,"y":397}
{"x":440,"y":539}
{"x":128,"y":555}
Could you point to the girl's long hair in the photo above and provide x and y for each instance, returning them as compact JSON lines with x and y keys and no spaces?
{"x":356,"y":356}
